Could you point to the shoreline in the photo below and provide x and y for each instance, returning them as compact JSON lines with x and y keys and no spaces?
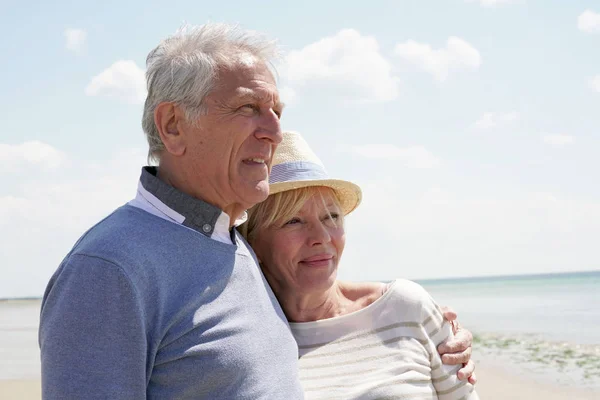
{"x":555,"y":364}
{"x":495,"y":382}
{"x":508,"y":365}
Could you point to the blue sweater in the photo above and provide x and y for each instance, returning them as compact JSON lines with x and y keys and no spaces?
{"x":145,"y":308}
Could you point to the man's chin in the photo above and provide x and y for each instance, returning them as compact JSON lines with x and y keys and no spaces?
{"x":257,"y":194}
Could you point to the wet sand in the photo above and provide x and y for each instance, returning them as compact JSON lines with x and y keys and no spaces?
{"x":494,"y":384}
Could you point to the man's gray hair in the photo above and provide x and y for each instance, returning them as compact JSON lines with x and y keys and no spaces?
{"x":183,"y":69}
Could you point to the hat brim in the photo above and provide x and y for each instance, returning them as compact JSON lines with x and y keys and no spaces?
{"x":348,"y":193}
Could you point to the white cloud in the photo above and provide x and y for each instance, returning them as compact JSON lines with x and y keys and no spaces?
{"x":123,"y":80}
{"x":75,"y":39}
{"x":492,"y":3}
{"x":400,"y":230}
{"x":42,"y":216}
{"x":287,"y":94}
{"x":84,"y":192}
{"x":436,"y":195}
{"x":558,"y":140}
{"x":347,"y":65}
{"x":595,"y":83}
{"x":491,"y":120}
{"x":417,"y":157}
{"x":589,"y":22}
{"x":457,"y":55}
{"x":30,"y":153}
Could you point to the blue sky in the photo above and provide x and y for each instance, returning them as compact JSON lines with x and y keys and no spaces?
{"x":473,"y":127}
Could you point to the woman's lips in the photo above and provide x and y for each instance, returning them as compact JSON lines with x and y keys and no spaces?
{"x":320,"y":260}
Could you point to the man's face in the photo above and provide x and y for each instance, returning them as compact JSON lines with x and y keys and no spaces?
{"x":232,"y":146}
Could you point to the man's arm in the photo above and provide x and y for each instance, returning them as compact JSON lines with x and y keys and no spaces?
{"x":92,"y":333}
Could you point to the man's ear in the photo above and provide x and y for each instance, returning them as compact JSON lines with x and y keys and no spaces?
{"x":169,"y":120}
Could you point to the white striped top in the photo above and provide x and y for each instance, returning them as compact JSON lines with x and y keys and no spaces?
{"x":387,"y":350}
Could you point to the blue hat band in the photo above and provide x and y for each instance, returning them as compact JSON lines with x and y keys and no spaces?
{"x":296,"y":171}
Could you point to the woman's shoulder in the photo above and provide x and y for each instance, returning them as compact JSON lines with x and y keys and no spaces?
{"x":403,"y":290}
{"x":408,"y":289}
{"x":403,"y":295}
{"x":363,"y":292}
{"x":399,"y":287}
{"x":412,"y":294}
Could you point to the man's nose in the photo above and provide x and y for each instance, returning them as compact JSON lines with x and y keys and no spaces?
{"x":270,"y":127}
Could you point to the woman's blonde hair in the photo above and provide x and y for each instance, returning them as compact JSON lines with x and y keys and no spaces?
{"x":282,"y":206}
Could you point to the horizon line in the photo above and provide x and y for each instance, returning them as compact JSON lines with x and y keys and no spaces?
{"x":425,"y":280}
{"x":523,"y":275}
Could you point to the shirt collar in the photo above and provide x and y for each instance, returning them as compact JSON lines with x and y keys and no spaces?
{"x":184,"y":209}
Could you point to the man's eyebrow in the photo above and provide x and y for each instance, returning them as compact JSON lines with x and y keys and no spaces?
{"x":245,"y":93}
{"x":249,"y":94}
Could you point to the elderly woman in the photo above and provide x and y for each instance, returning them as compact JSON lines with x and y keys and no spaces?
{"x":355,"y":340}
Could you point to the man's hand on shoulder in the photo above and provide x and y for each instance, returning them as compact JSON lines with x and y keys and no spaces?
{"x":458,"y":349}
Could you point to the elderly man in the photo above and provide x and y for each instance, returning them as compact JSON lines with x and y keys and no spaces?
{"x":163,"y":298}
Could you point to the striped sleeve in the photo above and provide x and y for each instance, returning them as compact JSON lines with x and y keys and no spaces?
{"x":444,"y":377}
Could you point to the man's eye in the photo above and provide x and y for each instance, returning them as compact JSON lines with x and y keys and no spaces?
{"x":252,"y":107}
{"x":278,"y":113}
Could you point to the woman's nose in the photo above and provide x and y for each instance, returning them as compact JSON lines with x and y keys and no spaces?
{"x":319,"y":234}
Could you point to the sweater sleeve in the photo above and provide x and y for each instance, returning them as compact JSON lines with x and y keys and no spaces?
{"x":92,"y":333}
{"x":444,"y":378}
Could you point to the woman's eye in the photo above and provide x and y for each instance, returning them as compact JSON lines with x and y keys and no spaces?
{"x":293,"y":221}
{"x":333,"y":216}
{"x":332,"y":219}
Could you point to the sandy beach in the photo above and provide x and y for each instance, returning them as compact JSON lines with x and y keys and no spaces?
{"x":20,"y":389}
{"x":509,"y":366}
{"x":494,"y":384}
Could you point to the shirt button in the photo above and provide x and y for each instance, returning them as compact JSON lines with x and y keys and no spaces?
{"x":206,"y":228}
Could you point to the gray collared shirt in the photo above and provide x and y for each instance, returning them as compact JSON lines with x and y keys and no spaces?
{"x":165,"y":201}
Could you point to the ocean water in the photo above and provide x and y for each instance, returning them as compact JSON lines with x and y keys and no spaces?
{"x":19,"y":354}
{"x":545,"y":325}
{"x":563,"y":307}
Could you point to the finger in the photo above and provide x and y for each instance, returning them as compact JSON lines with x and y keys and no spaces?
{"x":455,"y":326}
{"x":466,"y":371}
{"x":473,"y":379}
{"x":461,"y":342}
{"x":457,"y":358}
{"x":448,"y":313}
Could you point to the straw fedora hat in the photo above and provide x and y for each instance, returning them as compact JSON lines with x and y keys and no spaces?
{"x":296,"y":166}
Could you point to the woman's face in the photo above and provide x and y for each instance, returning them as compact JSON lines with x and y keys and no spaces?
{"x":301,"y":254}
